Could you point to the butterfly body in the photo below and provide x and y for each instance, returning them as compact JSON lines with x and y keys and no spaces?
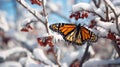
{"x":76,"y":34}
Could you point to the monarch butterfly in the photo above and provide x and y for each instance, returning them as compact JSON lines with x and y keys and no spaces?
{"x":74,"y":33}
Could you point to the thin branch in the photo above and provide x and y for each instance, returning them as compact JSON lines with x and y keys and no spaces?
{"x":116,"y":47}
{"x":19,"y":1}
{"x":45,"y":16}
{"x":117,"y":26}
{"x":44,"y":23}
{"x":116,"y":17}
{"x":107,"y":11}
{"x":99,"y":2}
{"x":97,"y":5}
{"x":43,"y":5}
{"x":85,"y":54}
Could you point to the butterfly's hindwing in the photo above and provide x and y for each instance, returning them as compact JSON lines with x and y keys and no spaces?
{"x":71,"y":36}
{"x":86,"y":34}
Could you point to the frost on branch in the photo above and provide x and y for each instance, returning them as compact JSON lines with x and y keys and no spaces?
{"x":33,"y":44}
{"x":104,"y":22}
{"x":81,"y":6}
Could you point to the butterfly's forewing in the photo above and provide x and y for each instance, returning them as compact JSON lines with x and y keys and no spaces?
{"x":86,"y":34}
{"x":62,"y":28}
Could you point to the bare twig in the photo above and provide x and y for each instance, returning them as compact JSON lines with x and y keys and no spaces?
{"x":43,"y":5}
{"x":107,"y":12}
{"x":97,"y":4}
{"x":116,"y":47}
{"x":19,"y":1}
{"x":117,"y":26}
{"x":45,"y":16}
{"x":116,"y":17}
{"x":44,"y":23}
{"x":85,"y":54}
{"x":56,"y":59}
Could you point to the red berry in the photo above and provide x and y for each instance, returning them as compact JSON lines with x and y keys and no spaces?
{"x":24,"y":30}
{"x":118,"y":43}
{"x":83,"y":15}
{"x":71,"y":16}
{"x":76,"y":17}
{"x":78,"y":13}
{"x":86,"y":15}
{"x":93,"y":23}
{"x":111,"y":36}
{"x":36,"y":2}
{"x":29,"y":27}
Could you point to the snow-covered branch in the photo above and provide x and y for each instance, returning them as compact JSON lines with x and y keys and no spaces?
{"x":114,"y":11}
{"x":32,"y":11}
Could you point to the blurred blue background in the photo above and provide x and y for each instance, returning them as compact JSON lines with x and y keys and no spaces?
{"x":10,"y":6}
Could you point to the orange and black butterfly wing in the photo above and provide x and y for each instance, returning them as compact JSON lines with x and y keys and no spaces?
{"x":72,"y":33}
{"x":87,"y":35}
{"x":62,"y":28}
{"x":74,"y":37}
{"x":80,"y":35}
{"x":69,"y":32}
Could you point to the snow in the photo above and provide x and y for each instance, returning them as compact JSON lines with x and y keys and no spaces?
{"x":64,"y":52}
{"x":6,"y":53}
{"x":58,"y":54}
{"x":44,"y":2}
{"x":19,"y":36}
{"x":100,"y":12}
{"x":69,"y":57}
{"x":22,"y":60}
{"x":40,"y":55}
{"x":81,"y":6}
{"x":32,"y":63}
{"x":101,"y":32}
{"x":116,"y":3}
{"x":3,"y":21}
{"x":107,"y":26}
{"x":25,"y":21}
{"x":36,"y":13}
{"x":10,"y":64}
{"x":110,"y":3}
{"x":57,"y":37}
{"x":97,"y":62}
